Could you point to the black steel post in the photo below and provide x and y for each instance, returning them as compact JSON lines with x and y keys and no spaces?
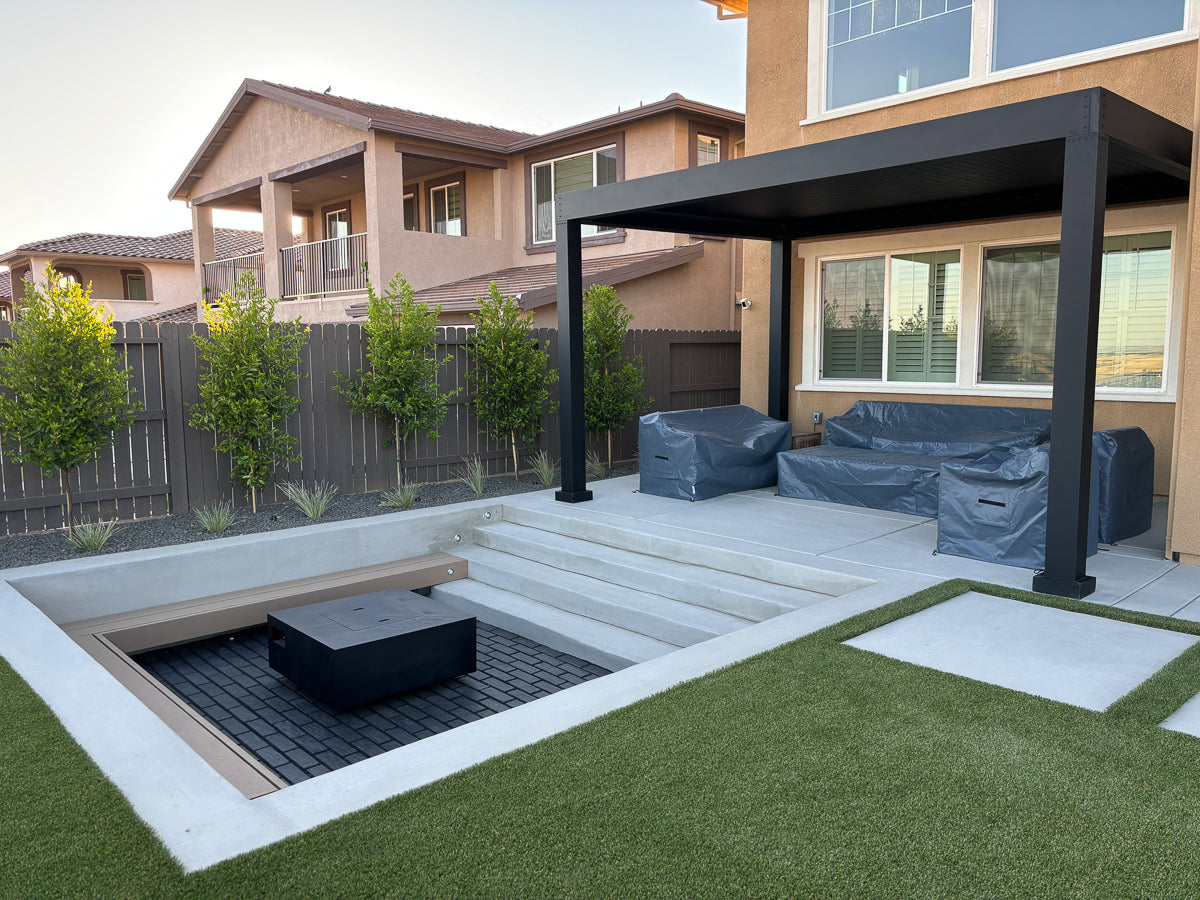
{"x":780,"y":325}
{"x":1068,"y":511}
{"x":569,"y":255}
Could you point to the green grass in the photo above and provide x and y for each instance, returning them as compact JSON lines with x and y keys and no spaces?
{"x":814,"y":769}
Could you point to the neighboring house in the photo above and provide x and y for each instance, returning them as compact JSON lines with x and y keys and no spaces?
{"x":966,"y":312}
{"x":6,"y":298}
{"x":440,"y":201}
{"x":131,"y":277}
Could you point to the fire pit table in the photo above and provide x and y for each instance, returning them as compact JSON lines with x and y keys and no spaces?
{"x":352,"y":651}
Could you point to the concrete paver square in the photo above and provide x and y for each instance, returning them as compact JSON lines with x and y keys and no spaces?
{"x":1065,"y":656}
{"x":1186,"y":719}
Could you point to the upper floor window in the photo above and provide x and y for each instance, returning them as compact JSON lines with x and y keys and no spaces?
{"x":1028,"y":31}
{"x":337,"y":230}
{"x":877,"y":48}
{"x":410,"y":212}
{"x":708,"y":150}
{"x":569,"y":173}
{"x":135,"y":285}
{"x":445,"y":204}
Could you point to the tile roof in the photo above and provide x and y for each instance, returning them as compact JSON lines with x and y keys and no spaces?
{"x":5,"y":286}
{"x":535,"y":286}
{"x":177,"y":245}
{"x":179,"y":314}
{"x":407,"y":118}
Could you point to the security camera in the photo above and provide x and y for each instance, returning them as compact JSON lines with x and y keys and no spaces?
{"x":743,"y":303}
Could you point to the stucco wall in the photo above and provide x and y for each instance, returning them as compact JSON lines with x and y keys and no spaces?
{"x":168,"y":283}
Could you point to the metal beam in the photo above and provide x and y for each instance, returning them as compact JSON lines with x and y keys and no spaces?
{"x":1068,"y":511}
{"x":569,"y":256}
{"x":780,"y":324}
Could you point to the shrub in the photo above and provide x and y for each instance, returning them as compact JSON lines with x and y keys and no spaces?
{"x":313,"y":502}
{"x":403,"y":497}
{"x":88,"y":537}
{"x":545,"y":467}
{"x":400,"y":387}
{"x":65,"y":390}
{"x":510,"y":377}
{"x":248,"y":383}
{"x":613,"y":384}
{"x":473,"y":475}
{"x":216,"y":518}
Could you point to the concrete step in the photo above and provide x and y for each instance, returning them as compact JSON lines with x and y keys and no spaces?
{"x":634,"y":610}
{"x":747,"y":598}
{"x":598,"y":642}
{"x":703,"y":550}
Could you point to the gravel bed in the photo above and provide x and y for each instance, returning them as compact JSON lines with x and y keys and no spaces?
{"x":142,"y":534}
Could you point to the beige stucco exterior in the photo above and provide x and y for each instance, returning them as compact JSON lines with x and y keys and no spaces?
{"x":169,"y":283}
{"x":271,"y":136}
{"x":1161,"y":78}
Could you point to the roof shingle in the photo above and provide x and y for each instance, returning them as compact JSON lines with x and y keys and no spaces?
{"x":175,"y":246}
{"x":179,"y":314}
{"x":5,"y":286}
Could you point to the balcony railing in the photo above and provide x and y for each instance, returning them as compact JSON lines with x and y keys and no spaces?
{"x":220,"y":275}
{"x":325,"y":268}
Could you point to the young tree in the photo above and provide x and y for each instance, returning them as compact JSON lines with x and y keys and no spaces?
{"x":613,"y":384}
{"x":509,"y":374}
{"x":400,"y":388}
{"x":248,"y":383}
{"x":65,"y":390}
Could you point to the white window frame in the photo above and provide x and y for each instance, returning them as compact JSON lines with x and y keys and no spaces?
{"x":980,"y":70}
{"x":1108,"y":393}
{"x":882,"y":381}
{"x":339,"y":252}
{"x":587,"y":230}
{"x":701,"y":136}
{"x":461,"y":204}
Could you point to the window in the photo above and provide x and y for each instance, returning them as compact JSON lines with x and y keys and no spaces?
{"x":708,"y":150}
{"x":446,"y":203}
{"x":915,"y":294}
{"x":68,"y":276}
{"x":1020,"y":300}
{"x":570,"y":173}
{"x":410,"y":212}
{"x":135,"y":285}
{"x":877,"y":48}
{"x":337,"y":232}
{"x":1027,"y":31}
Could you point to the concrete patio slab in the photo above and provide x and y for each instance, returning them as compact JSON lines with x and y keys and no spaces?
{"x":1073,"y":658}
{"x":1168,"y":595}
{"x":1186,"y":719}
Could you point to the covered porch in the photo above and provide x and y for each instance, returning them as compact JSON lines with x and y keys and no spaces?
{"x":1074,"y":153}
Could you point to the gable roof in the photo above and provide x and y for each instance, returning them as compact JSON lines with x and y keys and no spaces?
{"x":535,"y":286}
{"x":174,"y":246}
{"x":366,"y":116}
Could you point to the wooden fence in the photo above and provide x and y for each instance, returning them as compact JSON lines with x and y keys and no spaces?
{"x":161,"y":465}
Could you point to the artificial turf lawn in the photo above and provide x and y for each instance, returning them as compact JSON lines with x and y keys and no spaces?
{"x":813,"y":769}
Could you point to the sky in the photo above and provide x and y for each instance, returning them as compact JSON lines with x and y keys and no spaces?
{"x":109,"y":101}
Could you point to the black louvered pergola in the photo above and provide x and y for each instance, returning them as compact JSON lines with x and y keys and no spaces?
{"x":1073,"y":153}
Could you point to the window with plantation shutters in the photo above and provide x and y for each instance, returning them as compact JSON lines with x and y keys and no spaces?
{"x":912,"y":298}
{"x":570,"y":173}
{"x":1020,"y":300}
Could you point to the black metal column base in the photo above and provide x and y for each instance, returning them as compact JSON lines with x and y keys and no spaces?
{"x":572,"y":496}
{"x":1076,"y":589}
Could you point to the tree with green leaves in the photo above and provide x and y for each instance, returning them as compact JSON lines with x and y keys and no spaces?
{"x":248,"y":383}
{"x":400,"y":388}
{"x":65,"y":390}
{"x":509,"y":374}
{"x":613,"y":384}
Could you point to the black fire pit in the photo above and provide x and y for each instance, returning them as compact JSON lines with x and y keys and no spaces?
{"x":359,"y":649}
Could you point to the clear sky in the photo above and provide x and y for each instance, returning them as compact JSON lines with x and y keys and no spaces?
{"x":108,"y":101}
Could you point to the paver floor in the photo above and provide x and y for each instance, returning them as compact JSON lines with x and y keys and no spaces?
{"x":227,"y":680}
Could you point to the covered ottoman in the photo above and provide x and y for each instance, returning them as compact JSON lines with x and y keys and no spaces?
{"x":900,"y":482}
{"x":696,"y":454}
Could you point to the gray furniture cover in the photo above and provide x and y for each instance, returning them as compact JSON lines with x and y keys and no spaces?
{"x":878,"y":479}
{"x":1125,"y":462}
{"x":994,"y":508}
{"x":696,"y":454}
{"x":935,"y":429}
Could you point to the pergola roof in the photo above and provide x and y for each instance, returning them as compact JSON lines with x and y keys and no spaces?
{"x":993,"y":163}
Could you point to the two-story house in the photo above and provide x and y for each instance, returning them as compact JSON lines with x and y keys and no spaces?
{"x":449,"y":205}
{"x":966,"y":311}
